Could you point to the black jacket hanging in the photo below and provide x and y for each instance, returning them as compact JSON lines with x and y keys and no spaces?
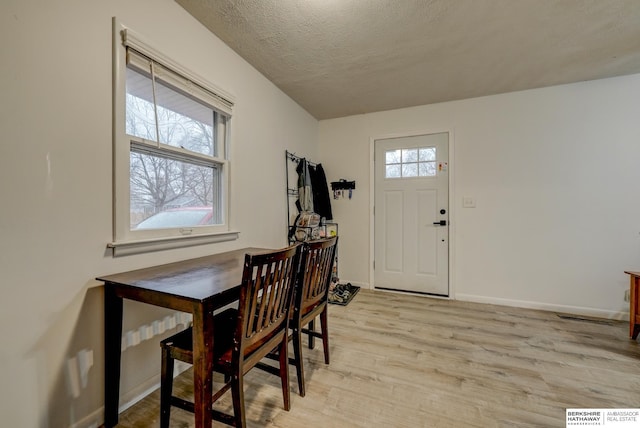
{"x":320,"y":189}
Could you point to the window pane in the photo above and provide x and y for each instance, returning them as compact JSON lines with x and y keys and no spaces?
{"x":393,"y":171}
{"x":409,"y":155}
{"x":393,"y":156}
{"x":184,"y":122}
{"x":428,"y":154}
{"x":410,"y":170}
{"x":427,"y":169}
{"x":172,"y":193}
{"x":140,"y":119}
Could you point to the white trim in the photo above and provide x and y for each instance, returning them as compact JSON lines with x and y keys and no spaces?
{"x":92,"y":420}
{"x":452,"y":214}
{"x":139,"y":392}
{"x":551,"y":307}
{"x":120,"y":157}
{"x":372,"y":199}
{"x":412,"y":293}
{"x":125,"y":248}
{"x":140,"y":145}
{"x":96,"y":418}
{"x":362,"y":285}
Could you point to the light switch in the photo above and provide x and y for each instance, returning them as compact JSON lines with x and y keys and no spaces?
{"x":468,"y":202}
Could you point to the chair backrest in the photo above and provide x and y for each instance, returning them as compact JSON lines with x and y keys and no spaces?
{"x":266,"y":293}
{"x":314,"y":279}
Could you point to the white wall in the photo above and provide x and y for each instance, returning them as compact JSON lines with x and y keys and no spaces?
{"x":555,"y":176}
{"x":55,"y":187}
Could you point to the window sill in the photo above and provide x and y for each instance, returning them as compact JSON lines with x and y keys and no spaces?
{"x":149,"y":245}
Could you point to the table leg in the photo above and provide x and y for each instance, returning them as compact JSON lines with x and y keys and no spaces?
{"x":634,"y":327}
{"x":202,"y":365}
{"x":112,"y":354}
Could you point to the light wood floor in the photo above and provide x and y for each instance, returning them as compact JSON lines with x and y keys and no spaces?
{"x":406,"y":361}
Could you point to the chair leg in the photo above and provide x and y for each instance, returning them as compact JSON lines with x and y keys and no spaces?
{"x":237,"y":394}
{"x":312,"y":327}
{"x":284,"y":371}
{"x":166,"y":388}
{"x":297,"y":355}
{"x":325,"y":334}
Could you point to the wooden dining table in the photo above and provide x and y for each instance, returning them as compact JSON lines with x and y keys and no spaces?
{"x":197,"y":286}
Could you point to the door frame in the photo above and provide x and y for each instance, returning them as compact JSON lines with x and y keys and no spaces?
{"x":452,"y":206}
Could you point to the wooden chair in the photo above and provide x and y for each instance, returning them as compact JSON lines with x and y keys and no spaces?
{"x":310,"y":300}
{"x":312,"y":292}
{"x":242,"y":336}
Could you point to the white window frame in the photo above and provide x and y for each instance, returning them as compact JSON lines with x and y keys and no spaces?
{"x":125,"y":240}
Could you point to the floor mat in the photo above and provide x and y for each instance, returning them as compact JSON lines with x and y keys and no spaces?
{"x":342,"y":294}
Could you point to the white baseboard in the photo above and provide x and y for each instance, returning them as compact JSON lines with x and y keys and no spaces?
{"x":138,"y":393}
{"x":551,"y":307}
{"x":364,"y":285}
{"x":96,"y":418}
{"x":575,"y":310}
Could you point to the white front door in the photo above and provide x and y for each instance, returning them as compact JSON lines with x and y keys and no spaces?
{"x":411,"y":212}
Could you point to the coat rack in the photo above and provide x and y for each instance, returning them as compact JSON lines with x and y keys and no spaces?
{"x":292,"y":191}
{"x":311,"y":226}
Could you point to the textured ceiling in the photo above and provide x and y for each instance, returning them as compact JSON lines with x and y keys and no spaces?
{"x":342,"y":57}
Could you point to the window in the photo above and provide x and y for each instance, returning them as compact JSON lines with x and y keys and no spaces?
{"x":415,"y":162}
{"x":171,"y":166}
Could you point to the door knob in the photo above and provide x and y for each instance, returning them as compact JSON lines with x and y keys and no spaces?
{"x":440,"y":223}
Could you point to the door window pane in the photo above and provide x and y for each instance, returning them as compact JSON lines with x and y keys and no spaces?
{"x":428,"y":154}
{"x":393,"y":171}
{"x":409,"y":169}
{"x":393,"y":156}
{"x":427,"y":169}
{"x":413,"y":162}
{"x":409,"y":155}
